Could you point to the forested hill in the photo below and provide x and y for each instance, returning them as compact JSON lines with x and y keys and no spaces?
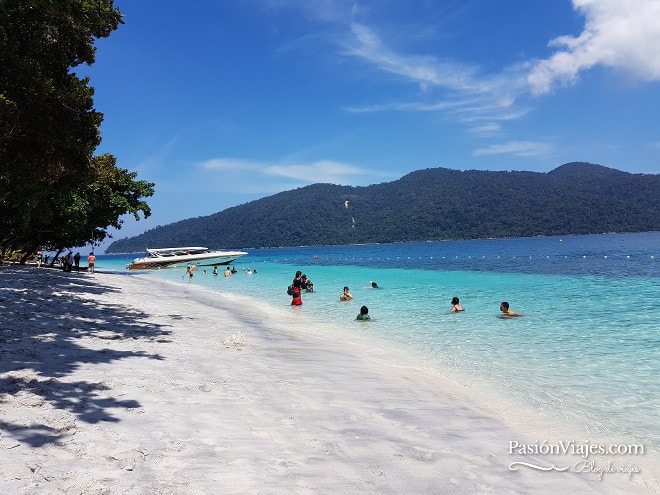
{"x":431,"y":204}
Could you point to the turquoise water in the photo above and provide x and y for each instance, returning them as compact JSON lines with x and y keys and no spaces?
{"x":586,"y":353}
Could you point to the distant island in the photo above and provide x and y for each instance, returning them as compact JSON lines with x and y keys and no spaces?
{"x":427,"y":205}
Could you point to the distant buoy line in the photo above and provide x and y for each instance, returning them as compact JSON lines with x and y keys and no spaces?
{"x":317,"y":258}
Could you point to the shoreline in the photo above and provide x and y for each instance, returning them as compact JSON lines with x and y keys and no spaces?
{"x":114,"y":384}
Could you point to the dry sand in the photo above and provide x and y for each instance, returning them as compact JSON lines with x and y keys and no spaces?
{"x":122,"y":384}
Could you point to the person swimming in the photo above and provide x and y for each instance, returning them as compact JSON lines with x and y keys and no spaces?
{"x":506,"y":312}
{"x":455,"y":306}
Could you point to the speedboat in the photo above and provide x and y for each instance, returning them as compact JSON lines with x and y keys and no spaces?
{"x":172,"y":257}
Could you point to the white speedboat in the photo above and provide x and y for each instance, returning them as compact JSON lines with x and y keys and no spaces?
{"x":182,"y":256}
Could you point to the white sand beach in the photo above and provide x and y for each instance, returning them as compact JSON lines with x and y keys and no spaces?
{"x":123,"y":384}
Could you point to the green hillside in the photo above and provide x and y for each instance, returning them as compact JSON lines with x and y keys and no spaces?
{"x":431,"y":204}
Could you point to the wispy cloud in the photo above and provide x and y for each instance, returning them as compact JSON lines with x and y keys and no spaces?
{"x":323,"y":171}
{"x":621,"y":34}
{"x":413,"y":106}
{"x":427,"y":71}
{"x":516,"y":148}
{"x":487,"y":130}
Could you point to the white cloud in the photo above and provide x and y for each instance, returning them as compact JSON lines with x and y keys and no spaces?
{"x":227,"y":164}
{"x":623,"y":35}
{"x":325,"y":171}
{"x":517,"y":148}
{"x":466,"y":92}
{"x":487,"y":129}
{"x":412,"y":106}
{"x":620,"y":34}
{"x":427,"y":71}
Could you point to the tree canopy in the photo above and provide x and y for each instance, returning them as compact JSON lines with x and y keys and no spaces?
{"x":54,"y":193}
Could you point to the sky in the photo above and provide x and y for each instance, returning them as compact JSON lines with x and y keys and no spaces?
{"x":222,"y":102}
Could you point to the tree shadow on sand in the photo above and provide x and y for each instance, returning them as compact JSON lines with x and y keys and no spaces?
{"x":46,"y":317}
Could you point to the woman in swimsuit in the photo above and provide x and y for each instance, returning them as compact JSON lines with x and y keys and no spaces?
{"x":296,"y":293}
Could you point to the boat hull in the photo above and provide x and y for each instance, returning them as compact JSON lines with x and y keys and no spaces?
{"x":209,"y":259}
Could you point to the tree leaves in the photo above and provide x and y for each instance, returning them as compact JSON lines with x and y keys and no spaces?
{"x":54,"y":192}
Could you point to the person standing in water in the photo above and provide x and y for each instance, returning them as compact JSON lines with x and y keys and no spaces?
{"x":296,"y":294}
{"x":345,"y":296}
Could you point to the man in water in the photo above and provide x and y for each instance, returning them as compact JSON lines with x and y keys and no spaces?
{"x":345,"y":296}
{"x":506,"y":312}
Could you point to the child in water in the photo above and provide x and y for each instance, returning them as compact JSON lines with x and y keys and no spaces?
{"x":364,"y":314}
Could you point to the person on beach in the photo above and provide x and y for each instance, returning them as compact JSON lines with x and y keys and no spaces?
{"x":227,"y":272}
{"x":66,"y":262}
{"x":296,"y":293}
{"x":363,"y":315}
{"x":76,"y":261}
{"x":233,"y":269}
{"x":215,"y":270}
{"x":506,"y":312}
{"x":189,"y":272}
{"x":455,"y":306}
{"x":345,"y":296}
{"x":91,"y":259}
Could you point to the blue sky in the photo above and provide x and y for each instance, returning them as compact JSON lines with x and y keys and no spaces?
{"x":224,"y":102}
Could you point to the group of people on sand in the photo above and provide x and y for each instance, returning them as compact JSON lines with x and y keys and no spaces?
{"x":504,"y":308}
{"x":68,"y":262}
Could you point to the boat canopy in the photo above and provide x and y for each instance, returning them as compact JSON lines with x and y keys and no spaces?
{"x":179,"y":251}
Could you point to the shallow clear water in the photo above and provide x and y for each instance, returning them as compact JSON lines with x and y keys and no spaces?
{"x":587,"y":351}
